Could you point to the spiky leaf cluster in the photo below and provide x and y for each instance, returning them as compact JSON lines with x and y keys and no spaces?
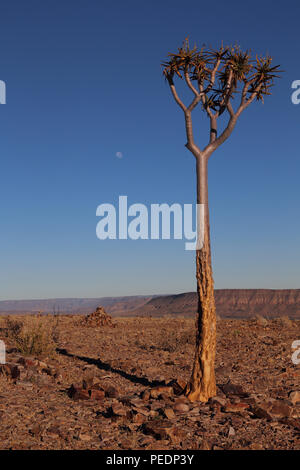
{"x":220,"y":74}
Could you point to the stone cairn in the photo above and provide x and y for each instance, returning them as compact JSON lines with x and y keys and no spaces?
{"x":98,"y":318}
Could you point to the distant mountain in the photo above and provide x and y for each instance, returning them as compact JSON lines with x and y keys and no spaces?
{"x":73,"y":305}
{"x":231,"y":303}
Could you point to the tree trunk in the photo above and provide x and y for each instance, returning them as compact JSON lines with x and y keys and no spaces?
{"x":202,"y":383}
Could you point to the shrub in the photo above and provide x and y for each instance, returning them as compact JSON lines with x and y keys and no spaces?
{"x":261,"y":321}
{"x":285,"y":322}
{"x":34,"y":335}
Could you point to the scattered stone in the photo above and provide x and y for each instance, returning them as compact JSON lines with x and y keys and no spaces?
{"x":169,"y":413}
{"x":181,"y":407}
{"x":90,"y":382}
{"x":96,"y":394}
{"x":261,"y":412}
{"x":219,"y":400}
{"x":161,"y":429}
{"x":235,"y":407}
{"x":78,"y":393}
{"x":111,"y":392}
{"x":145,"y":395}
{"x":99,"y":318}
{"x":110,"y":408}
{"x":10,"y":370}
{"x":294,"y":397}
{"x":118,"y":409}
{"x":272,"y":409}
{"x":156,"y":392}
{"x":178,"y":386}
{"x":280,"y":409}
{"x":84,"y":437}
{"x":232,"y":389}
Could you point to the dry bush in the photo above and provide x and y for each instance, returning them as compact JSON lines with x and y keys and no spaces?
{"x":285,"y":321}
{"x":33,"y":335}
{"x":261,"y":321}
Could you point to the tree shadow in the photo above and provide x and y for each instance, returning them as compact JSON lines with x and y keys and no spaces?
{"x":107,"y":367}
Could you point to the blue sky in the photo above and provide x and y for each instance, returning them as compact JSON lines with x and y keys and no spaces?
{"x":84,"y":82}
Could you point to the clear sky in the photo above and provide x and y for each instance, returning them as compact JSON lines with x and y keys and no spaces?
{"x":84,"y":82}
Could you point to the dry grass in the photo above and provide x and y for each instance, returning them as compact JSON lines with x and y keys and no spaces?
{"x":33,"y":335}
{"x":286,"y":322}
{"x":261,"y":321}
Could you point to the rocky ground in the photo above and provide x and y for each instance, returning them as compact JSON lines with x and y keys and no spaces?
{"x":120,"y":388}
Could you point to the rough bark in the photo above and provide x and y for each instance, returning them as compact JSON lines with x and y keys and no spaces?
{"x":202,"y":383}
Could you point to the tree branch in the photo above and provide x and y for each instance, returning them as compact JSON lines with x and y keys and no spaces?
{"x":190,"y":136}
{"x":213,"y":129}
{"x":175,"y":95}
{"x":245,"y":102}
{"x":203,"y":98}
{"x":212,"y":146}
{"x":189,"y":83}
{"x":188,"y":119}
{"x":213,"y":75}
{"x":230,"y":108}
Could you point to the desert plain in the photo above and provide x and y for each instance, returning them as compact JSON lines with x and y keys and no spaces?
{"x":119,"y":385}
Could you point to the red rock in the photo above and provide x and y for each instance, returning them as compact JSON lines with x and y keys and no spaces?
{"x":272,"y":408}
{"x":232,"y":389}
{"x":118,"y":409}
{"x":145,"y":395}
{"x":111,"y":392}
{"x":11,"y":370}
{"x":236,"y":407}
{"x":78,"y":393}
{"x":178,"y":386}
{"x":160,"y":429}
{"x":96,"y":394}
{"x":261,"y":412}
{"x":90,"y":382}
{"x":157,"y":391}
{"x":281,"y":410}
{"x":27,"y":362}
{"x":181,"y":407}
{"x":169,"y":413}
{"x":219,"y":400}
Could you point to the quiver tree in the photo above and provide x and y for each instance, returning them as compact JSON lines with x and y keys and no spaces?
{"x":216,"y":78}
